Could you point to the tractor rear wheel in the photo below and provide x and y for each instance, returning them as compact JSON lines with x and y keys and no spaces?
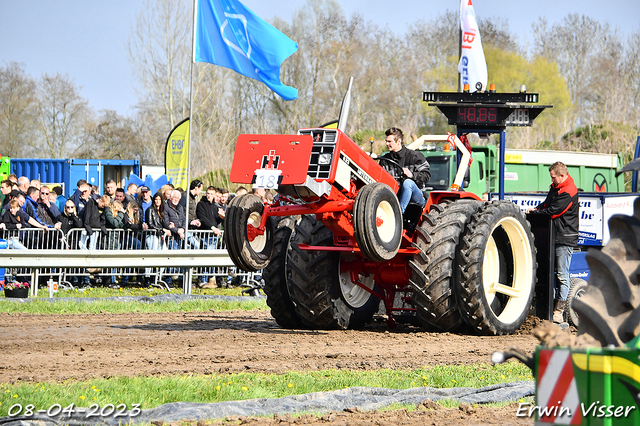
{"x":576,"y":291}
{"x":497,"y":269}
{"x":609,"y":310}
{"x":433,"y":269}
{"x":275,"y":278}
{"x":377,"y":222}
{"x":324,"y":297}
{"x":247,"y":250}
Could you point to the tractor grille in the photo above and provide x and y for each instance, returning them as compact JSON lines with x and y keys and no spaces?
{"x":324,"y":143}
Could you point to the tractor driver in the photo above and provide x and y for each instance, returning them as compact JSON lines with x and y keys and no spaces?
{"x":415,"y":168}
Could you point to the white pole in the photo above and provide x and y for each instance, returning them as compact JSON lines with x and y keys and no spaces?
{"x":193,"y":56}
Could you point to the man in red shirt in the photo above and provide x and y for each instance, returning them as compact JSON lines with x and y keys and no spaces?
{"x":562,"y":205}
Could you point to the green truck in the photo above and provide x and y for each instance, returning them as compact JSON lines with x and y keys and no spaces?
{"x":525,"y":170}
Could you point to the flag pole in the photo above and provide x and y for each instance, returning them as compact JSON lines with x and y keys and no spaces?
{"x":193,"y":56}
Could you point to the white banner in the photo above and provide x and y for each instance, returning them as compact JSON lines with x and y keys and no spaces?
{"x":472,"y":66}
{"x":595,"y":212}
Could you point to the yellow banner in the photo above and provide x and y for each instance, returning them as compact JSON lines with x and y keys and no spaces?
{"x":176,"y":162}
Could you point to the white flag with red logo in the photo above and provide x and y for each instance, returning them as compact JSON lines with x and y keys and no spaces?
{"x":472,"y":66}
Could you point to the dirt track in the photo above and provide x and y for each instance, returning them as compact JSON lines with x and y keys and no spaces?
{"x":80,"y":347}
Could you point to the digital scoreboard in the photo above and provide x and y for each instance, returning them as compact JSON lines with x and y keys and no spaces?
{"x":480,"y":116}
{"x":486,"y":110}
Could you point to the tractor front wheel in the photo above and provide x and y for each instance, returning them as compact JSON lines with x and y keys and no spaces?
{"x":377,"y":222}
{"x":324,"y":297}
{"x":248,"y":249}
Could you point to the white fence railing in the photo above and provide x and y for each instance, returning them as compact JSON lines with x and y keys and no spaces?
{"x":74,"y":258}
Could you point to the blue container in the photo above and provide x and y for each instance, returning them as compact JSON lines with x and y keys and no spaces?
{"x":68,"y":172}
{"x":579,"y":267}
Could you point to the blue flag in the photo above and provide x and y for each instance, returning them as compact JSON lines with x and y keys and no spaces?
{"x":229,"y":34}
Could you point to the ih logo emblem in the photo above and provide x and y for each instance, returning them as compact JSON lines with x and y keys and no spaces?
{"x":268,"y":176}
{"x":270,"y":161}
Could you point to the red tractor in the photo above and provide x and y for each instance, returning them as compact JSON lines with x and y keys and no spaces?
{"x":334,"y":242}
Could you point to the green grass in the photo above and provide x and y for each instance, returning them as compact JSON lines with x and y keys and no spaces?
{"x":151,"y":392}
{"x":43,"y":293}
{"x":40,"y":306}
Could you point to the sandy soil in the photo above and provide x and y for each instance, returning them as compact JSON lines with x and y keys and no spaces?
{"x":61,"y":347}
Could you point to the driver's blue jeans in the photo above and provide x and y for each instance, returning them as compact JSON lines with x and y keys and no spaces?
{"x":409,"y":191}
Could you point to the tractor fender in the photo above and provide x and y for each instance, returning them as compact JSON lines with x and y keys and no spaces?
{"x":436,"y":197}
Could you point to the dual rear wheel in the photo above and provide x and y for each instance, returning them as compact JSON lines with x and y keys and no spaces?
{"x":476,"y":267}
{"x":496,"y":273}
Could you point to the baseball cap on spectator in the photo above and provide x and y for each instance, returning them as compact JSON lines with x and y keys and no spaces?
{"x":144,"y":189}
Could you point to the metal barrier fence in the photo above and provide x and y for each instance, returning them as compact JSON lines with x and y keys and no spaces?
{"x":32,"y":238}
{"x":135,"y":245}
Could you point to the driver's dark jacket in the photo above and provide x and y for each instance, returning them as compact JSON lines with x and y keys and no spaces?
{"x":414,"y":161}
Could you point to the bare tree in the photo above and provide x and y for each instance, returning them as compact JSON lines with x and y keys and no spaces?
{"x":61,"y":115}
{"x":159,"y":50}
{"x":631,"y":85}
{"x":17,"y":110}
{"x":574,"y":45}
{"x":111,"y":136}
{"x":495,"y":32}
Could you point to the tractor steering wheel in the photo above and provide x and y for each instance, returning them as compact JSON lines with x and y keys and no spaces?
{"x":395,"y":169}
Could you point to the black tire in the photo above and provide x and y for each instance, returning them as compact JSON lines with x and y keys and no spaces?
{"x":377,"y":222}
{"x":275,"y":278}
{"x":244,"y":211}
{"x":433,"y":269}
{"x":609,"y":310}
{"x":314,"y":282}
{"x":577,"y":289}
{"x":231,"y":237}
{"x":497,"y":269}
{"x":358,"y":219}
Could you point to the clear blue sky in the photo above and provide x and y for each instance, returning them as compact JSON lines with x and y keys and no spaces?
{"x":87,"y":38}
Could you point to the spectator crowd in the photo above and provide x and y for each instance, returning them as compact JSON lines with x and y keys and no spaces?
{"x":156,"y":221}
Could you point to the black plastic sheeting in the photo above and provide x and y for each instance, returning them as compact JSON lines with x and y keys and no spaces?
{"x":168,"y":297}
{"x":364,"y":398}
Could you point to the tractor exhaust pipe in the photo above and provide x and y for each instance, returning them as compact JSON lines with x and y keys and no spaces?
{"x":344,"y":109}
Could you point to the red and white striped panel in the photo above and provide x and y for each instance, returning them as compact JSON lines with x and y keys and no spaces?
{"x":557,"y":391}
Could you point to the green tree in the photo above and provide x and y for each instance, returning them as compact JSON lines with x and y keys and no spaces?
{"x":508,"y":71}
